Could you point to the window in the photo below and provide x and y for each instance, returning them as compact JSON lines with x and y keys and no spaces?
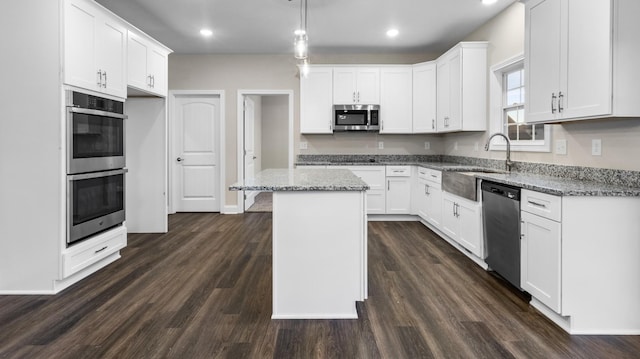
{"x":507,"y":109}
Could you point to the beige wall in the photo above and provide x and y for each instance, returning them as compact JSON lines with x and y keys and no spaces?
{"x":275,"y":131}
{"x":620,"y":137}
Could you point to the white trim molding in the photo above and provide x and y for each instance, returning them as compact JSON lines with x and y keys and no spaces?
{"x":495,"y":109}
{"x":240,"y":132}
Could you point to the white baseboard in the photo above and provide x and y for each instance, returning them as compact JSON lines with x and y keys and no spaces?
{"x":231,"y":210}
{"x":392,"y":217}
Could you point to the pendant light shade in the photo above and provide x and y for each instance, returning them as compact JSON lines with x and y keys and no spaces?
{"x":301,"y":41}
{"x":301,"y":45}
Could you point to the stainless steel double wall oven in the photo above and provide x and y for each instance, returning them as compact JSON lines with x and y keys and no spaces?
{"x":95,"y":164}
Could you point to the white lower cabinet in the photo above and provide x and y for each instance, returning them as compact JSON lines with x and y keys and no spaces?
{"x":374,"y":176}
{"x":93,"y":250}
{"x":427,"y":196}
{"x":540,"y":259}
{"x":461,"y":222}
{"x":398,"y":190}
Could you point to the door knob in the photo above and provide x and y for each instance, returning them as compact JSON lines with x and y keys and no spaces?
{"x":254,"y":157}
{"x":179,"y":159}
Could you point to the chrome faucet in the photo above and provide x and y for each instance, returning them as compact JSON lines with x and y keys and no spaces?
{"x":508,"y":162}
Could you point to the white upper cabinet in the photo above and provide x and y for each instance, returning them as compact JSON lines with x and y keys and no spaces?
{"x":147,"y":65}
{"x":581,"y":59}
{"x":356,"y":85}
{"x":424,"y":97}
{"x":316,"y":100}
{"x":95,"y":48}
{"x":396,"y":99}
{"x":462,"y":88}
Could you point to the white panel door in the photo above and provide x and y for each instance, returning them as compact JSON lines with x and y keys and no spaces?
{"x":80,"y":68}
{"x":197,"y":154}
{"x":249,"y":148}
{"x":424,"y":98}
{"x":396,"y":99}
{"x":112,"y":59}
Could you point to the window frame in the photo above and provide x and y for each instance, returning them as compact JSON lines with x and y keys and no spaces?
{"x":496,"y":110}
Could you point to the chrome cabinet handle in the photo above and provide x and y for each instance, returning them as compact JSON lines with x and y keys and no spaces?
{"x":426,"y":190}
{"x":354,"y":96}
{"x":149,"y":80}
{"x":104,"y":84}
{"x":560,"y":101}
{"x":358,"y":96}
{"x":153,"y":81}
{"x":101,"y":249}
{"x":433,"y":123}
{"x":553,"y":102}
{"x":537,"y":204}
{"x":99,"y":78}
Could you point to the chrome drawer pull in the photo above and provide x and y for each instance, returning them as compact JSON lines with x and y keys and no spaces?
{"x":537,"y":204}
{"x":101,"y":249}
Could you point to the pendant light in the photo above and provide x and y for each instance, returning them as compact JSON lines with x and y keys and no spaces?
{"x":301,"y":41}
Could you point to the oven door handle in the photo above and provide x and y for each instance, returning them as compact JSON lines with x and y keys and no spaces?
{"x":97,"y":174}
{"x":87,"y":111}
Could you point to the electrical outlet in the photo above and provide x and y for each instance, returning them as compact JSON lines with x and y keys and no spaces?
{"x":596,"y":147}
{"x":303,"y":145}
{"x":380,"y":145}
{"x":455,"y":146}
{"x":561,"y":147}
{"x":427,"y":145}
{"x":476,"y":147}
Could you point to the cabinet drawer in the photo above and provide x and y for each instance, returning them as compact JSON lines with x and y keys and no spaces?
{"x":93,"y":250}
{"x":372,"y":175}
{"x":430,"y":175}
{"x":398,"y":171}
{"x":542,"y":204}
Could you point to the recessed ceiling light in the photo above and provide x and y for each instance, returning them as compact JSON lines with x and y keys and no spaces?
{"x":392,"y":33}
{"x":489,"y":2}
{"x":206,"y":32}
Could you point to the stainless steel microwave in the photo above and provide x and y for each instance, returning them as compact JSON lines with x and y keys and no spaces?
{"x":356,"y":118}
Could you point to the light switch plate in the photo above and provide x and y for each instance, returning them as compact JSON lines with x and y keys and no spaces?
{"x":380,"y":145}
{"x":427,"y":145}
{"x":561,"y":147}
{"x":596,"y":147}
{"x":303,"y":145}
{"x":455,"y":146}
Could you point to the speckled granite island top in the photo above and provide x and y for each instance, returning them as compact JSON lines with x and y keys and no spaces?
{"x":301,"y":179}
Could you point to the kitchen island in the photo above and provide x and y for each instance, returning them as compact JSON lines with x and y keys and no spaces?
{"x":319,"y":241}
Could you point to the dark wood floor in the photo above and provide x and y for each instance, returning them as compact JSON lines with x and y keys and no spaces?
{"x":204,"y":291}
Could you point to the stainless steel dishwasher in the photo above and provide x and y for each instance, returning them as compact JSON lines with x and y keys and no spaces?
{"x":501,"y":219}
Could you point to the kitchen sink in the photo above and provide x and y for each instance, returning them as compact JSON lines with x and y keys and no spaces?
{"x":463,"y":184}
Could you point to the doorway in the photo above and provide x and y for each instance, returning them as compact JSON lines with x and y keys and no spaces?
{"x":197,"y":157}
{"x":265,"y":135}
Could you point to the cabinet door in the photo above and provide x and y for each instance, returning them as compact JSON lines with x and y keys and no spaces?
{"x":542,"y":59}
{"x":454,"y":123}
{"x":424,"y":98}
{"x":111,"y":55}
{"x":434,"y":206}
{"x":137,"y":62}
{"x":374,"y":176}
{"x":80,"y":68}
{"x":420,"y":199}
{"x":396,"y":100}
{"x":587,"y":76}
{"x":316,"y":90}
{"x":157,"y":68}
{"x":450,"y":223}
{"x":540,"y":259}
{"x":443,"y":96}
{"x":470,"y":235}
{"x":398,"y":195}
{"x":368,"y":86}
{"x":344,"y":85}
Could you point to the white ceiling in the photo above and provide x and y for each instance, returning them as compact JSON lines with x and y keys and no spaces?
{"x":334,"y":26}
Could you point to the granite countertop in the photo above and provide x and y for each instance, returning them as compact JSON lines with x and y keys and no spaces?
{"x":560,"y":186}
{"x":556,"y":185}
{"x":301,"y":179}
